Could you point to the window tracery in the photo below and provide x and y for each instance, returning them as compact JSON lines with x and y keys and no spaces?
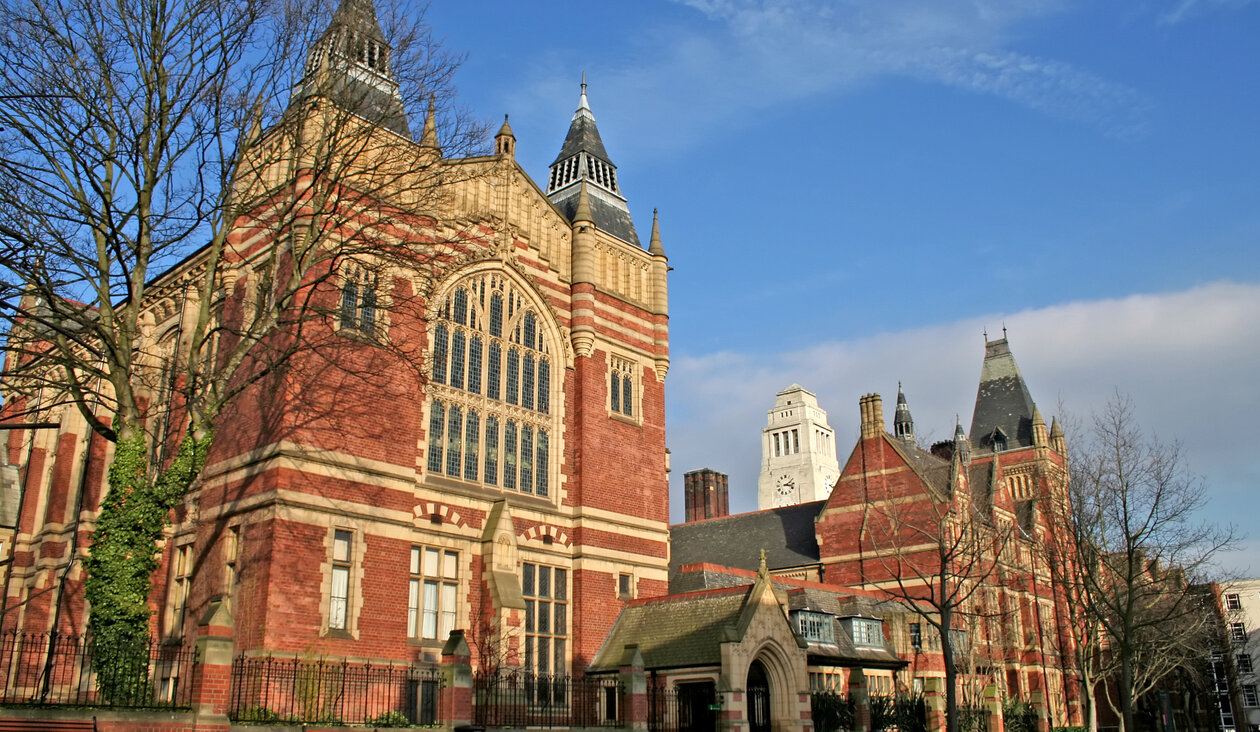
{"x":490,"y":417}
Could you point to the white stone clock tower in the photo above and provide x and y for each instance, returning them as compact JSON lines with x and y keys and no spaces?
{"x":798,"y":451}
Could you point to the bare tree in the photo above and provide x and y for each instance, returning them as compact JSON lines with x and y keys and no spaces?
{"x":182,"y":188}
{"x":1141,"y":550}
{"x":936,"y":552}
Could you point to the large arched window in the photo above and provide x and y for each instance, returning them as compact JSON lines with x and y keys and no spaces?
{"x":490,"y":418}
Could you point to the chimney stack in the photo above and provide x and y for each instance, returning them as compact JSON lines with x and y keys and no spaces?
{"x":872,"y":409}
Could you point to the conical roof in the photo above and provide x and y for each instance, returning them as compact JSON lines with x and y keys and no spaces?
{"x":1002,"y":400}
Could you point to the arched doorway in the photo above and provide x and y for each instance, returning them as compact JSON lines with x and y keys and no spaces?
{"x":758,"y":689}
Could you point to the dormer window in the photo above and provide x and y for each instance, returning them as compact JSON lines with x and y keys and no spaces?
{"x":999,"y":440}
{"x":866,"y":632}
{"x":815,"y":627}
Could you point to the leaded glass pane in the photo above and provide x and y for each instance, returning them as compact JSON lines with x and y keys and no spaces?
{"x":530,"y":331}
{"x":460,"y":314}
{"x":561,"y":621}
{"x":544,"y":386}
{"x":544,"y":616}
{"x":513,"y":375}
{"x":541,"y":466}
{"x":527,"y":382}
{"x":544,"y":582}
{"x":491,"y":475}
{"x":509,"y":455}
{"x":472,"y":434}
{"x":367,"y":315}
{"x":626,"y":395}
{"x":530,"y":615}
{"x":440,"y":337}
{"x":349,"y":302}
{"x":436,"y":420}
{"x":496,"y":315}
{"x":527,"y":580}
{"x":614,"y":391}
{"x":458,"y":344}
{"x":493,"y":371}
{"x":453,"y":441}
{"x":474,"y":364}
{"x":527,"y":458}
{"x":562,"y":584}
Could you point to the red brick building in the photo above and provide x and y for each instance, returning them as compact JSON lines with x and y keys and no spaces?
{"x":892,"y":515}
{"x":500,"y":467}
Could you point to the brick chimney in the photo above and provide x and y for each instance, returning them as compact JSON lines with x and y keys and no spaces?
{"x":872,"y":409}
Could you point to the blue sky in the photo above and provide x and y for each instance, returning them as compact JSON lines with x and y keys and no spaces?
{"x":850,"y":193}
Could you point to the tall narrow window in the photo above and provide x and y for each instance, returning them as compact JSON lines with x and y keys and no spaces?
{"x":527,"y":381}
{"x":621,"y":386}
{"x":440,"y":341}
{"x":494,"y":371}
{"x":544,"y":387}
{"x":491,"y":474}
{"x":367,"y":313}
{"x":453,"y":440}
{"x":472,"y":434}
{"x":541,"y":466}
{"x":545,"y":590}
{"x":474,"y":364}
{"x":496,"y":315}
{"x":339,"y":597}
{"x":513,"y":375}
{"x":796,"y":441}
{"x":349,"y":303}
{"x":181,"y":582}
{"x":460,"y":314}
{"x":436,"y":420}
{"x":509,"y":455}
{"x":776,"y":445}
{"x":527,"y":459}
{"x":457,"y":359}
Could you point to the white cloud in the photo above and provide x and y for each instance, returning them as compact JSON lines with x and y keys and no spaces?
{"x":1188,"y":359}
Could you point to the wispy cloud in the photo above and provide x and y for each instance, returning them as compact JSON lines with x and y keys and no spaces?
{"x":1187,"y":9}
{"x":1187,"y":358}
{"x":741,"y":57}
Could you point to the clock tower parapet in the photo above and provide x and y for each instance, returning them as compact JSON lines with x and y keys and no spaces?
{"x":798,"y":451}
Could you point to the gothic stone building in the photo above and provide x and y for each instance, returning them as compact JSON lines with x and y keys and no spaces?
{"x":509,"y":480}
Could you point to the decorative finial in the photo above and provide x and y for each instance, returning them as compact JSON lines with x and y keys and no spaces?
{"x":654,"y":244}
{"x":583,"y":82}
{"x":1003,"y":329}
{"x":986,"y":335}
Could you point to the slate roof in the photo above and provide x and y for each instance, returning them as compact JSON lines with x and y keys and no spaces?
{"x":787,"y":535}
{"x":675,"y":631}
{"x":933,"y":469}
{"x":612,"y":217}
{"x":583,"y":137}
{"x":1002,"y":400}
{"x":841,"y":605}
{"x":371,"y":103}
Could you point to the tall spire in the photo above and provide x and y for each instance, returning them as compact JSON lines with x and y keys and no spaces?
{"x":903,"y":423}
{"x":583,"y":158}
{"x":654,"y":244}
{"x":351,"y":65}
{"x":1004,"y":407}
{"x":428,"y":137}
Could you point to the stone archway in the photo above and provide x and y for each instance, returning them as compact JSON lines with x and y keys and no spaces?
{"x":757,"y":687}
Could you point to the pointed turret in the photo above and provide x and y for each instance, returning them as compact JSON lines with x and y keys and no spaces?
{"x":504,"y":140}
{"x":583,"y":158}
{"x":428,"y":137}
{"x":1004,"y":409}
{"x":1058,"y":442}
{"x":962,"y":445}
{"x":350,"y":64}
{"x":1041,"y":438}
{"x":583,"y":212}
{"x":903,"y":423}
{"x":654,"y":244}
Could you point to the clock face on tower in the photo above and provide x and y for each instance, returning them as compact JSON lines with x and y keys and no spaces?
{"x":784,"y":490}
{"x":829,"y":482}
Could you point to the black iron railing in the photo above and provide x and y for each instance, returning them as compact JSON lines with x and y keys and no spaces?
{"x":61,"y":669}
{"x":512,"y":699}
{"x":328,"y":691}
